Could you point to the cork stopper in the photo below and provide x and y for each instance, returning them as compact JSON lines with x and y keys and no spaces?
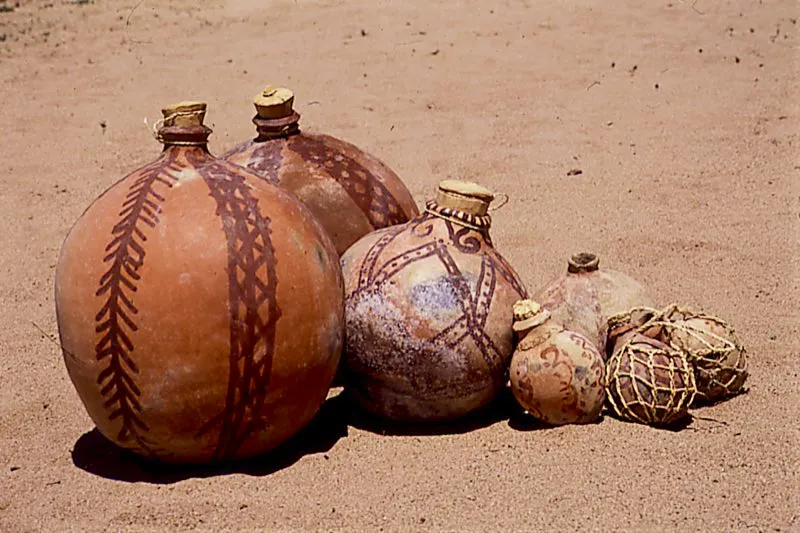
{"x":464,"y":196}
{"x":186,"y":114}
{"x":583,"y":262}
{"x":529,"y":314}
{"x":274,"y":102}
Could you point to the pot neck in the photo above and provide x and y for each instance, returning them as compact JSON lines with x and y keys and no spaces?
{"x":460,"y":217}
{"x":184,"y":136}
{"x":277,"y":128}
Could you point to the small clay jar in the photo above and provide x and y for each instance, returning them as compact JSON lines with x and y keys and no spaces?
{"x":586,"y":296}
{"x":349,"y":191}
{"x":429,"y":311}
{"x":557,"y":375}
{"x":200,"y":308}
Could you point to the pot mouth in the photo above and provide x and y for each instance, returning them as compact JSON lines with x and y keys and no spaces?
{"x":465,"y":196}
{"x":274,"y":102}
{"x":583,"y":262}
{"x":528,"y":314}
{"x":182,"y":124}
{"x":462,"y":202}
{"x":275,"y":115}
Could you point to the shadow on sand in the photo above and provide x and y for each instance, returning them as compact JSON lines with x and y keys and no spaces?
{"x":679,"y":425}
{"x":99,"y":456}
{"x":497,"y":411}
{"x":522,"y":421}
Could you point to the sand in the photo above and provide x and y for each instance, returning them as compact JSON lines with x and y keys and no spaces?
{"x":682,"y":117}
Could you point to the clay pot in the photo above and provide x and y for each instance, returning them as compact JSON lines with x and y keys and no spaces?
{"x":429,"y":311}
{"x":622,"y":326}
{"x":711,"y":345}
{"x":349,"y":191}
{"x":648,"y":382}
{"x":200,"y":308}
{"x":557,"y":375}
{"x":583,"y":298}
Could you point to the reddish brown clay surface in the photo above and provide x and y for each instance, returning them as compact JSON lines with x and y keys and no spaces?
{"x":429,"y":312}
{"x":558,"y":375}
{"x":690,"y":187}
{"x":349,"y":191}
{"x":200,"y":310}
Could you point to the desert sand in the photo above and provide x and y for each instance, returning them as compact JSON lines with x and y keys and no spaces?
{"x":682,"y":117}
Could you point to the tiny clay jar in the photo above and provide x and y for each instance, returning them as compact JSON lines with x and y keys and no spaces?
{"x":556,"y":375}
{"x":200,"y":308}
{"x":585,"y":297}
{"x":429,"y":312}
{"x":349,"y":191}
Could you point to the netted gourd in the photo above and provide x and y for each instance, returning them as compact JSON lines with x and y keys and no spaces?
{"x":648,"y":382}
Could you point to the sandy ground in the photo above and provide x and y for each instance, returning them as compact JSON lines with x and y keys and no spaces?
{"x":683,"y":118}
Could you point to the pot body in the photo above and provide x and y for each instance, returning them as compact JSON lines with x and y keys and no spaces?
{"x":583,"y":301}
{"x":557,"y":376}
{"x":200,"y":310}
{"x":349,"y":191}
{"x":648,"y":382}
{"x":428,"y":320}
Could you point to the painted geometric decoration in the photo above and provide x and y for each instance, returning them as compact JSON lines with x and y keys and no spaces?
{"x":200,"y":309}
{"x":429,"y":312}
{"x":349,"y":191}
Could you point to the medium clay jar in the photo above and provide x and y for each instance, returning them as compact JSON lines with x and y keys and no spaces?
{"x":349,"y":191}
{"x":429,"y":311}
{"x":200,"y":308}
{"x":585,"y":297}
{"x":556,"y":375}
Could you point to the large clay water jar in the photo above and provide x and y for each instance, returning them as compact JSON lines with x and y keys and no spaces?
{"x":349,"y":191}
{"x":200,"y":308}
{"x":429,"y":312}
{"x":585,"y":297}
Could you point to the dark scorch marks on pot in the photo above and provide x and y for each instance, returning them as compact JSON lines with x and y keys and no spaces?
{"x":254,"y":311}
{"x":115,"y":323}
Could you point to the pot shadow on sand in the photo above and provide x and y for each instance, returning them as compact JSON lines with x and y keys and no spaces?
{"x":497,"y":411}
{"x":99,"y":456}
{"x":675,"y":427}
{"x":522,"y":421}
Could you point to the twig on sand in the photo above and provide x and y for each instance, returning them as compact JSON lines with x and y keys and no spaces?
{"x":130,"y":14}
{"x":46,"y":335}
{"x":709,"y":419}
{"x":595,"y":82}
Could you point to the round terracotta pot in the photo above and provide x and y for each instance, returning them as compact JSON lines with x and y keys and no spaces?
{"x":349,"y":191}
{"x":429,"y":311}
{"x":556,"y":375}
{"x":200,"y":309}
{"x":717,"y":355}
{"x":585,"y":297}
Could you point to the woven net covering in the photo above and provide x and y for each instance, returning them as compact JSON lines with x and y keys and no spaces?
{"x":628,"y":321}
{"x":711,"y":346}
{"x":649,"y":382}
